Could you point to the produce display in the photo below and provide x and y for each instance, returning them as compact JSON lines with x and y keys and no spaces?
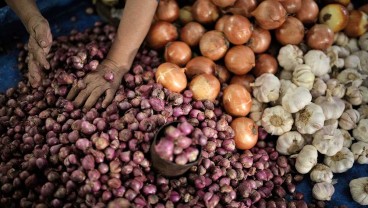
{"x":261,"y":95}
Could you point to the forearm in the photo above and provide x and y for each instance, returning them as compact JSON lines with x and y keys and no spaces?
{"x":25,"y":10}
{"x":133,"y":28}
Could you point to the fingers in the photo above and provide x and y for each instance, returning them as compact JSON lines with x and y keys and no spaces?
{"x":73,"y":92}
{"x":84,"y":94}
{"x":34,"y":73}
{"x":38,"y":53}
{"x":92,"y":99}
{"x":42,"y":33}
{"x":108,"y":98}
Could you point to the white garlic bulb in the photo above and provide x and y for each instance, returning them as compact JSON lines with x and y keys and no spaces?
{"x":341,"y":39}
{"x":359,"y":190}
{"x":323,"y":191}
{"x":321,"y":173}
{"x":360,"y":152}
{"x":276,"y":120}
{"x":285,"y":85}
{"x":350,"y":75}
{"x":257,"y":106}
{"x":349,"y":119}
{"x":348,"y":139}
{"x":342,"y":161}
{"x":318,"y":61}
{"x":303,"y":76}
{"x":310,"y":119}
{"x":352,"y":45}
{"x":290,"y":143}
{"x":354,"y":95}
{"x":364,"y":91}
{"x":325,"y":77}
{"x":332,"y":123}
{"x":361,"y":131}
{"x":256,"y":117}
{"x":363,"y":42}
{"x":289,"y":57}
{"x":352,"y":62}
{"x":336,"y":88}
{"x":319,"y":88}
{"x":332,"y":107}
{"x":306,"y":159}
{"x":266,"y":88}
{"x":328,"y":141}
{"x":297,"y":99}
{"x":363,"y":57}
{"x":332,"y":53}
{"x":363,"y":111}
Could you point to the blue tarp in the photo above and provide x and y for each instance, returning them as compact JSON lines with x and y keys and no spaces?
{"x":59,"y":13}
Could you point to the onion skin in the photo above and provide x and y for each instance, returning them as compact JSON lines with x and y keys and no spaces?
{"x":320,"y":37}
{"x":220,"y":23}
{"x":222,"y":74}
{"x":213,"y":45}
{"x":185,"y":14}
{"x":191,"y":33}
{"x":357,"y":24}
{"x":336,"y":16}
{"x":167,"y":10}
{"x":205,"y":87}
{"x":205,"y":12}
{"x":171,"y":76}
{"x":260,"y":40}
{"x":237,"y":29}
{"x":342,"y":2}
{"x":237,"y":100}
{"x":291,"y":32}
{"x":246,"y":133}
{"x":223,"y":3}
{"x":243,"y":7}
{"x":177,"y":52}
{"x":160,"y":34}
{"x":243,"y":80}
{"x":199,"y":65}
{"x":309,"y":12}
{"x":265,"y":63}
{"x":240,"y":59}
{"x":291,"y":6}
{"x":269,"y":14}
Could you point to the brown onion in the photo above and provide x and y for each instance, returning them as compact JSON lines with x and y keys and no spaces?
{"x":246,"y":132}
{"x":204,"y":11}
{"x":336,"y":16}
{"x":213,"y":45}
{"x":243,"y":7}
{"x":260,"y":40}
{"x":243,"y":80}
{"x":342,"y":2}
{"x":291,"y":32}
{"x":223,"y":3}
{"x":177,"y":52}
{"x":237,"y":100}
{"x":265,"y":63}
{"x":167,"y":10}
{"x":220,"y":24}
{"x":199,"y":65}
{"x":160,"y":34}
{"x":237,"y":29}
{"x":291,"y":6}
{"x":309,"y":12}
{"x":240,"y":59}
{"x":222,"y":74}
{"x":270,"y":14}
{"x":191,"y":33}
{"x":320,"y":37}
{"x":357,"y":24}
{"x":205,"y":87}
{"x":171,"y":76}
{"x":185,"y":14}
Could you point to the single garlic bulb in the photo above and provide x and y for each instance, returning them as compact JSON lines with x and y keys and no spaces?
{"x":341,"y":161}
{"x":256,"y":117}
{"x":310,"y":119}
{"x":276,"y":120}
{"x":336,"y":88}
{"x":306,"y":159}
{"x":350,"y":75}
{"x":332,"y":107}
{"x":323,"y":191}
{"x":318,"y":61}
{"x":363,"y":111}
{"x":319,"y":88}
{"x":360,"y":152}
{"x":352,"y":45}
{"x":364,"y":91}
{"x":321,"y":173}
{"x":285,"y":85}
{"x":349,"y":119}
{"x":354,"y":95}
{"x":352,"y":62}
{"x":348,"y":139}
{"x":297,"y":99}
{"x":361,"y":131}
{"x":266,"y":88}
{"x":328,"y":141}
{"x":290,"y":143}
{"x":303,"y":76}
{"x":363,"y":42}
{"x":257,"y":106}
{"x":289,"y":57}
{"x":359,"y":190}
{"x":341,"y":39}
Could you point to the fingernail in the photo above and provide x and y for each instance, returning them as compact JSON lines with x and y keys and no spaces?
{"x":43,"y":43}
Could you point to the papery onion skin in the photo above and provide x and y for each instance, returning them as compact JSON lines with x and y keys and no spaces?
{"x":291,"y":32}
{"x":237,"y":29}
{"x":167,"y":10}
{"x":243,"y":7}
{"x":357,"y":24}
{"x":177,"y":52}
{"x":291,"y":6}
{"x":171,"y":76}
{"x":309,"y":12}
{"x":260,"y":40}
{"x":336,"y":16}
{"x":222,"y":74}
{"x":237,"y":100}
{"x":270,"y":14}
{"x":160,"y":34}
{"x":199,"y":65}
{"x":223,"y":3}
{"x":185,"y":14}
{"x":243,"y":80}
{"x":320,"y":37}
{"x":191,"y":33}
{"x":213,"y":45}
{"x":205,"y":12}
{"x":220,"y":23}
{"x":240,"y":59}
{"x":205,"y":87}
{"x":265,"y":63}
{"x":342,"y":2}
{"x":246,"y":133}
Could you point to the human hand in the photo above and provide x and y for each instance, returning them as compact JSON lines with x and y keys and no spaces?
{"x":97,"y":84}
{"x":39,"y":44}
